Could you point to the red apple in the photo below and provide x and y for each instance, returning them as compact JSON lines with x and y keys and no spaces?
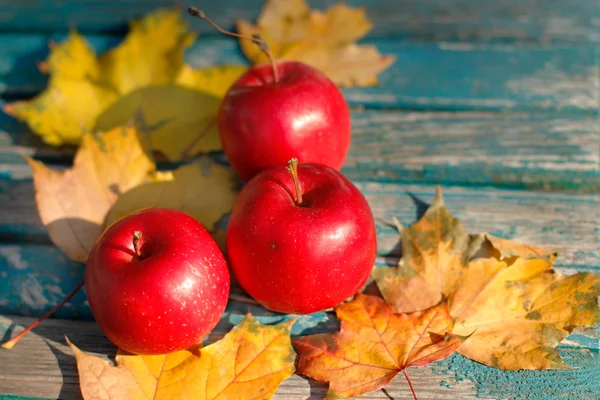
{"x":156,"y":282}
{"x":301,"y":256}
{"x":263,"y":123}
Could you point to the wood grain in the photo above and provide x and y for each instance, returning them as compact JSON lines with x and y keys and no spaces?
{"x":41,"y":365}
{"x":36,"y":276}
{"x":417,"y":20}
{"x":517,"y":150}
{"x":425,"y":76}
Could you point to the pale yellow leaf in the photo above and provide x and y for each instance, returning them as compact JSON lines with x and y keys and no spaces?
{"x":99,"y":380}
{"x":214,"y":81}
{"x":351,"y":65}
{"x":324,"y":40}
{"x":204,"y":190}
{"x":180,"y":121}
{"x":509,"y":249}
{"x":73,"y":203}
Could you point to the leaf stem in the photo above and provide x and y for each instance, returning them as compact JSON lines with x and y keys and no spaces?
{"x":293,"y":168}
{"x":12,"y":342}
{"x":137,"y":235}
{"x":412,"y":389}
{"x":256,"y":39}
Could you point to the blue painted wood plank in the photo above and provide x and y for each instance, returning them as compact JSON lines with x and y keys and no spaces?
{"x":565,"y":222}
{"x":426,"y":76}
{"x":429,"y":20}
{"x":533,"y":151}
{"x":524,"y":151}
{"x":34,"y":278}
{"x":581,"y":383}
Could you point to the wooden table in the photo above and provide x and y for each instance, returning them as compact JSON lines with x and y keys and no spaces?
{"x":495,"y":100}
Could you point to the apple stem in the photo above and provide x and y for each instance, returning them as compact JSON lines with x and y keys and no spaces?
{"x":256,"y":39}
{"x":410,"y":385}
{"x":293,"y":168}
{"x":137,"y":235}
{"x":12,"y":342}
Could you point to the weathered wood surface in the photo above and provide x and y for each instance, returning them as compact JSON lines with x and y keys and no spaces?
{"x":464,"y":20}
{"x":34,"y":277}
{"x":536,"y":61}
{"x":425,"y":76}
{"x":519,"y":150}
{"x":42,"y":365}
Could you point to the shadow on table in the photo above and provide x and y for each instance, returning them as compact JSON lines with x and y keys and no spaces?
{"x":68,"y":369}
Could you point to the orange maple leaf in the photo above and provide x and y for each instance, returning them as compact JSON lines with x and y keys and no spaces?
{"x":374,"y":344}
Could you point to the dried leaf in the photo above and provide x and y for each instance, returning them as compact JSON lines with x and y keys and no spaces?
{"x":373,"y":345}
{"x":249,"y":362}
{"x":510,"y":249}
{"x":505,"y":294}
{"x":520,"y":312}
{"x":324,"y":40}
{"x":72,"y":204}
{"x":434,"y":252}
{"x":144,"y":78}
{"x":204,"y":190}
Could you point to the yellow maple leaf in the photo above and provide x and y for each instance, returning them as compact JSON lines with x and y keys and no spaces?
{"x":74,"y":58}
{"x":505,"y":294}
{"x":151,"y":54}
{"x":249,"y":362}
{"x":373,"y":345}
{"x":143,"y":79}
{"x":73,"y":204}
{"x":204,"y":190}
{"x":324,"y":40}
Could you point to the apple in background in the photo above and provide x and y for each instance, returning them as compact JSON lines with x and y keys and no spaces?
{"x":156,"y":282}
{"x":265,"y":120}
{"x":301,"y":254}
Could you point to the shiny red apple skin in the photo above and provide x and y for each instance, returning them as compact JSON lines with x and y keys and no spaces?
{"x":264,"y":124}
{"x":307,"y":258}
{"x":170,"y":299}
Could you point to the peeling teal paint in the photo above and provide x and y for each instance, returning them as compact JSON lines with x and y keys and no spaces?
{"x":582,"y":383}
{"x":309,"y":324}
{"x":484,"y":77}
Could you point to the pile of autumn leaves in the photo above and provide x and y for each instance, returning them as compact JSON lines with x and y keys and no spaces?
{"x":493,"y":301}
